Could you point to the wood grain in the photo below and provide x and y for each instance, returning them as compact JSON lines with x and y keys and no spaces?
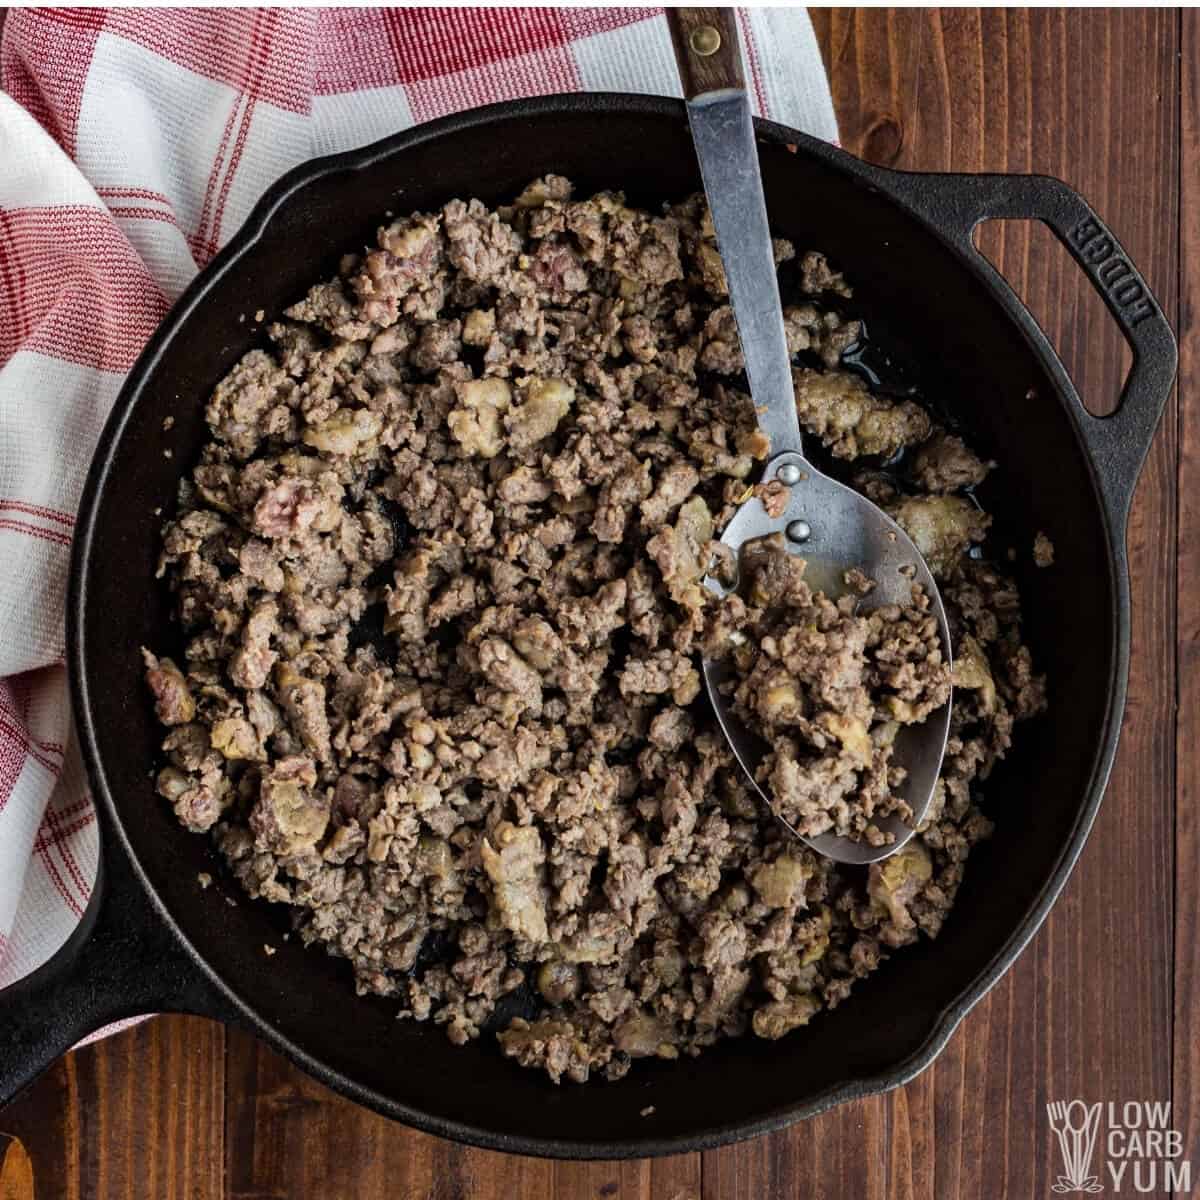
{"x":16,"y":1171}
{"x":1087,"y":1010}
{"x":701,"y":69}
{"x":140,"y":1115}
{"x":1186,"y":1083}
{"x":1091,"y":1009}
{"x":281,"y":1126}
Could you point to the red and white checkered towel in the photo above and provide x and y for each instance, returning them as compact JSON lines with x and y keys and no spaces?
{"x":133,"y":143}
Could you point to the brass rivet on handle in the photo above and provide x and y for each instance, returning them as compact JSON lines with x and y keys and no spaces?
{"x":705,"y":41}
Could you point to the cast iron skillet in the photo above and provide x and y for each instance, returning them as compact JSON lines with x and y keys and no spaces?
{"x":152,"y":940}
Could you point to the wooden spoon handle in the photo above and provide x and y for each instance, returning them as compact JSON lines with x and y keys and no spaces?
{"x":707,"y":48}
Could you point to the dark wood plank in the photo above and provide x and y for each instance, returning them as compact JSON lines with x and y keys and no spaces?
{"x":843,"y":1153}
{"x":1186,"y":1093}
{"x":289,"y":1136}
{"x":138,"y":1115}
{"x":676,"y":1178}
{"x":1006,"y":91}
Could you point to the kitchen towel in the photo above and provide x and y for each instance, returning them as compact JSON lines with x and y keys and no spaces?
{"x":133,"y":143}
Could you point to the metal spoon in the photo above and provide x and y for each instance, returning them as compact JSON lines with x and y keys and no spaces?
{"x":833,"y":526}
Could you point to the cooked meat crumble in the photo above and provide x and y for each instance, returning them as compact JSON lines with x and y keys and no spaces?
{"x":439,"y":574}
{"x":828,"y":687}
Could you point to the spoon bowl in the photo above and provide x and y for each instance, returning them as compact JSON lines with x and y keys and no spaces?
{"x":841,"y":529}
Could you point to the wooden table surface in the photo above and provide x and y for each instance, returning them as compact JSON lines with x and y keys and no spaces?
{"x":1104,"y":1002}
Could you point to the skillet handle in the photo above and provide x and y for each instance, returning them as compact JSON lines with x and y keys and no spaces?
{"x":121,"y":961}
{"x":956,"y":204}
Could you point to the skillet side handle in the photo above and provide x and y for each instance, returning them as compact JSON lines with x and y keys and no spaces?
{"x":121,"y":961}
{"x":1118,"y":443}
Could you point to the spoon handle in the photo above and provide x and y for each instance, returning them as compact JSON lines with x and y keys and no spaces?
{"x":707,"y":63}
{"x":709,"y":54}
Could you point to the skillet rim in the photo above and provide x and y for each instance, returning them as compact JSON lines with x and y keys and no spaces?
{"x":889,"y":183}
